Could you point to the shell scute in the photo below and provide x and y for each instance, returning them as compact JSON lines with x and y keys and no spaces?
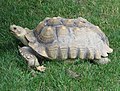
{"x":62,"y":30}
{"x":68,"y":22}
{"x":76,"y":30}
{"x":63,"y":52}
{"x":53,"y":51}
{"x":79,"y":23}
{"x":40,"y":26}
{"x":47,"y":34}
{"x":82,"y":53}
{"x":54,"y":21}
{"x":73,"y":52}
{"x":90,"y":54}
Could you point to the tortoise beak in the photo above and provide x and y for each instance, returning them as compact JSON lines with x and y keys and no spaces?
{"x":13,"y":29}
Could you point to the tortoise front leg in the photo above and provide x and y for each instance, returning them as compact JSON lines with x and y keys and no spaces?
{"x":31,"y":59}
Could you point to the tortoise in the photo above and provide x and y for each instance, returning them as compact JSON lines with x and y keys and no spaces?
{"x":62,"y":38}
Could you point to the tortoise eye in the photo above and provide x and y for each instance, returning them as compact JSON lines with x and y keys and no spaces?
{"x":14,"y":28}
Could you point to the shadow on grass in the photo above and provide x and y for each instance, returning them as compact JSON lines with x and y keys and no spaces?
{"x":9,"y":51}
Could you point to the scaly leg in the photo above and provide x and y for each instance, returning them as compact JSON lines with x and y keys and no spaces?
{"x":31,"y":59}
{"x":102,"y":61}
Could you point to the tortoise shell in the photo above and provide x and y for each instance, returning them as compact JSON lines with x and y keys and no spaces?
{"x":61,"y":38}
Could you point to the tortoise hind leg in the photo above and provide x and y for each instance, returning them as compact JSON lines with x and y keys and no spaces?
{"x":31,"y":59}
{"x":102,"y":61}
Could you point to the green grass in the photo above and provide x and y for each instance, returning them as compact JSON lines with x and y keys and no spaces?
{"x":14,"y":75}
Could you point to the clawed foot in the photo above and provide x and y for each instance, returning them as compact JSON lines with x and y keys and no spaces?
{"x":41,"y":68}
{"x":102,"y":61}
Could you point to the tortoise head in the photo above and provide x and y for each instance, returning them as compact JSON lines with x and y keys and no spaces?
{"x":17,"y":30}
{"x":19,"y":33}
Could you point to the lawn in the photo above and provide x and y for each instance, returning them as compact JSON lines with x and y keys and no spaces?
{"x":14,"y":75}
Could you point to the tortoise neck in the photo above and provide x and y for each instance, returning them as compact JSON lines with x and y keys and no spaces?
{"x":23,"y":39}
